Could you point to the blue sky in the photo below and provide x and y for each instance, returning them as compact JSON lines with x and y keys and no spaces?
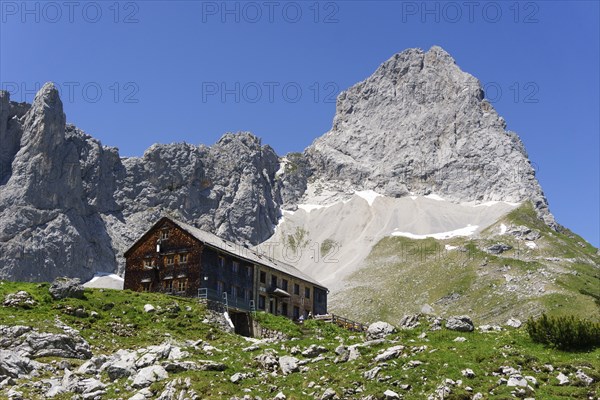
{"x":135,"y":73}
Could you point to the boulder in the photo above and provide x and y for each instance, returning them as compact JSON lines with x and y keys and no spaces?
{"x":64,"y":287}
{"x":498,"y":248}
{"x":460,"y":323}
{"x":583,"y":377}
{"x":389,"y":353}
{"x":21,"y":299}
{"x":148,"y":375}
{"x":562,"y":379}
{"x":120,"y":369}
{"x":372,"y":373}
{"x":313,"y":351}
{"x":409,"y":321}
{"x":516,"y":380}
{"x":267,"y":361}
{"x":468,"y":372}
{"x":515,"y":323}
{"x":148,"y":308}
{"x":379,"y":330}
{"x":57,"y":345}
{"x":14,"y":365}
{"x":288,"y":364}
{"x":328,"y":394}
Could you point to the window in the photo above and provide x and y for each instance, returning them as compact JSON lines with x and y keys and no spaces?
{"x":284,"y":309}
{"x":164,"y":235}
{"x":240,"y":292}
{"x":296,"y":289}
{"x":296,"y":314}
{"x":263,"y":277}
{"x":182,"y":285}
{"x":235,"y":267}
{"x":183,"y":258}
{"x":248,"y":294}
{"x":307,"y":292}
{"x":261,"y":302}
{"x":221,"y":261}
{"x":146,"y":286}
{"x":234,"y":292}
{"x":148,"y":263}
{"x":220,"y":287}
{"x":170,"y":260}
{"x":249,"y":271}
{"x":169,"y":285}
{"x":273,"y":280}
{"x":284,"y":285}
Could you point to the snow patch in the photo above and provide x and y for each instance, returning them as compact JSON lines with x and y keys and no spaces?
{"x":466,"y":231}
{"x":281,"y":170}
{"x":449,"y":247}
{"x":433,"y":196}
{"x":491,"y":203}
{"x":109,"y":276}
{"x":503,"y":229}
{"x":531,"y":245}
{"x":310,"y":207}
{"x":368,"y":195}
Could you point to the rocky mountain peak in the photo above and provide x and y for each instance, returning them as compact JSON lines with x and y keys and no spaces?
{"x":421,"y":125}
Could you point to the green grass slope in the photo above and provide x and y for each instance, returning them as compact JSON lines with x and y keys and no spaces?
{"x":121,"y":323}
{"x":559,"y":274}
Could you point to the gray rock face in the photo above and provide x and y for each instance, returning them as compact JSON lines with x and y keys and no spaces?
{"x":33,"y":344}
{"x":421,"y":125}
{"x":70,"y":206}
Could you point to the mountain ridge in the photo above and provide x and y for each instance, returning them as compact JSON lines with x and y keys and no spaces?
{"x":79,"y":205}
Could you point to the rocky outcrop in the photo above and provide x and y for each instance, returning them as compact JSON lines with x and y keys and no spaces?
{"x":70,"y":206}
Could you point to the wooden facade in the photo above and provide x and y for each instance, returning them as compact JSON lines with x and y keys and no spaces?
{"x":176,"y":258}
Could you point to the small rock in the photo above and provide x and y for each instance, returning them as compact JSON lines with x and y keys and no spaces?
{"x":498,"y":248}
{"x":237,"y":377}
{"x":562,"y":379}
{"x":460,"y":339}
{"x":584,"y":378}
{"x":148,"y":308}
{"x":390,"y":394}
{"x":328,"y":394}
{"x":515,"y":323}
{"x":372,"y":373}
{"x":468,"y":373}
{"x":516,"y":380}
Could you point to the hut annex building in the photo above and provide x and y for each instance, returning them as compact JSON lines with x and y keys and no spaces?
{"x":176,"y":258}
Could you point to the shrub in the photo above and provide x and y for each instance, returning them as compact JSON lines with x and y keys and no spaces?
{"x":565,"y":333}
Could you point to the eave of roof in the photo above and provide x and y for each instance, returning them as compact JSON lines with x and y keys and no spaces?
{"x":243,"y":252}
{"x":234,"y":249}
